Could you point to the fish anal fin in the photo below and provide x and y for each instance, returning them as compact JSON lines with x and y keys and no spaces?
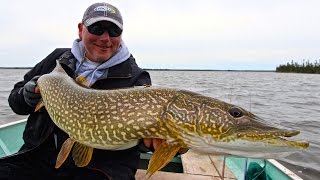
{"x":81,"y":154}
{"x":64,"y":152}
{"x":39,"y":106}
{"x":161,"y":157}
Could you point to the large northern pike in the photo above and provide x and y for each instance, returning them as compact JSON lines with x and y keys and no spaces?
{"x":118,"y":119}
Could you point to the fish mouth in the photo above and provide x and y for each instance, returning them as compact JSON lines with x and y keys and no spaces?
{"x":258,"y":130}
{"x":274,"y":137}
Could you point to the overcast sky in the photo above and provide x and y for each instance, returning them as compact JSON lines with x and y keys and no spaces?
{"x":197,"y":34}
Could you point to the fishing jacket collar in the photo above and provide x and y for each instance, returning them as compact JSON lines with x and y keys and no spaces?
{"x":67,"y":59}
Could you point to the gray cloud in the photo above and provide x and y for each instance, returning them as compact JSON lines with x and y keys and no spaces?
{"x":208,"y":33}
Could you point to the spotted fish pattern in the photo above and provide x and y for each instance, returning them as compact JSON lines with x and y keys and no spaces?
{"x":118,"y":119}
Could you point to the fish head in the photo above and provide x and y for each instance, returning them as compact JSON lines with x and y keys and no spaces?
{"x":214,"y":126}
{"x":244,"y":131}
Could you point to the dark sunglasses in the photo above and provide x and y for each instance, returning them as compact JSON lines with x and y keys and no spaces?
{"x":99,"y":29}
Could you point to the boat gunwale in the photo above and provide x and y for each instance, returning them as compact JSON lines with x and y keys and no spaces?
{"x":12,"y":123}
{"x":283,"y":169}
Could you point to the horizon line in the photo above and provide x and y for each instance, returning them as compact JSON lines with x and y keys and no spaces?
{"x":172,"y":69}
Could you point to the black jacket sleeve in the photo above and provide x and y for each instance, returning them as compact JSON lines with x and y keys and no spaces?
{"x":143,"y":77}
{"x":16,"y":99}
{"x":143,"y":80}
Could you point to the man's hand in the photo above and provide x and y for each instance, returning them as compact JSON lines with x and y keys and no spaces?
{"x":154,"y":142}
{"x":31,"y":92}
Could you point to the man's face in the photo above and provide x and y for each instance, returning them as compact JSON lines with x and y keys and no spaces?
{"x":102,"y":46}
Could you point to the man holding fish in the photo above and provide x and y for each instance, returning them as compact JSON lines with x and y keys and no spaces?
{"x":99,"y":59}
{"x":90,"y":123}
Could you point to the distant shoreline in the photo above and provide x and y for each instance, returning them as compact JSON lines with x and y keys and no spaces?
{"x":15,"y":67}
{"x":208,"y":70}
{"x":149,"y":69}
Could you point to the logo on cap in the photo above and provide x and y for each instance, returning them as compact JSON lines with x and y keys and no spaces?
{"x":105,"y":8}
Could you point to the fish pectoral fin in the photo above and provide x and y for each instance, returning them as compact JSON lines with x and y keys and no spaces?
{"x":64,"y":152}
{"x":161,"y":157}
{"x":39,"y":105}
{"x":81,"y":154}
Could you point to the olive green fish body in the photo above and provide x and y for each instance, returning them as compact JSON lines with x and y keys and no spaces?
{"x":118,"y":119}
{"x":105,"y":119}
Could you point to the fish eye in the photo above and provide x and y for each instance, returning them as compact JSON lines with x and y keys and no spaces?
{"x":235,"y":112}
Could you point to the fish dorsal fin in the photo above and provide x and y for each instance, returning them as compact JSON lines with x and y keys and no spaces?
{"x":39,"y":105}
{"x":81,"y":154}
{"x":161,"y":157}
{"x":64,"y":152}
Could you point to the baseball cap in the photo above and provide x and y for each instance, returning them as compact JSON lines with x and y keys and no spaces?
{"x":102,"y":12}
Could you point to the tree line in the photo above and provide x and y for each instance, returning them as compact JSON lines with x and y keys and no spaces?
{"x":305,"y":67}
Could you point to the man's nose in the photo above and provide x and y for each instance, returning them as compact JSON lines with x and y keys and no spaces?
{"x":105,"y":35}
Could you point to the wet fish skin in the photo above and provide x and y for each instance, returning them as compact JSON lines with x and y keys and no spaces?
{"x":118,"y":119}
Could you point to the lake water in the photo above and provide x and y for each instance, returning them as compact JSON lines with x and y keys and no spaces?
{"x":290,"y":100}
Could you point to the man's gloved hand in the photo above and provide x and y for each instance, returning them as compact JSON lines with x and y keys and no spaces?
{"x":31,"y":96}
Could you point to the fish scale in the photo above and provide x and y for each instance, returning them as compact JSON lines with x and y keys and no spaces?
{"x":118,"y":119}
{"x":113,"y":115}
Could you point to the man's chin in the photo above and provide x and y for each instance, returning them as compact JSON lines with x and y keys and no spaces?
{"x":102,"y":58}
